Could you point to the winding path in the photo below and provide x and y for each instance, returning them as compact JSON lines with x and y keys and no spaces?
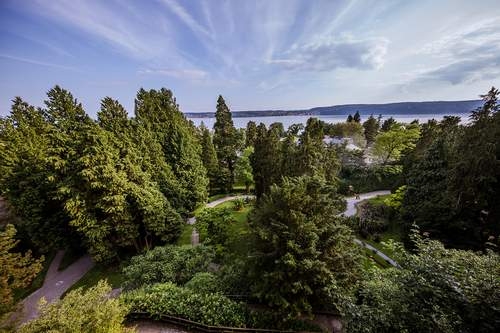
{"x":350,"y":211}
{"x":55,"y":284}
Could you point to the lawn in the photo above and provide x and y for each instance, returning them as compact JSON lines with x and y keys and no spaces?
{"x":99,"y":272}
{"x":239,"y":229}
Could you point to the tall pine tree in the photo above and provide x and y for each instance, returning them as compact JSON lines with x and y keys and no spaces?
{"x":226,"y":143}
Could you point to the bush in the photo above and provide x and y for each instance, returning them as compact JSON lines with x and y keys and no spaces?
{"x":204,"y":308}
{"x":203,"y":283}
{"x":89,"y":311}
{"x":177,"y":264}
{"x":169,"y":299}
{"x":238,"y":204}
{"x":366,"y":179}
{"x":214,"y":224}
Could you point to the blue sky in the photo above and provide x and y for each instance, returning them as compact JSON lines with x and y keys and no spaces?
{"x":269,"y":54}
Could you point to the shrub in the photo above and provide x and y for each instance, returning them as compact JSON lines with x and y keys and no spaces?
{"x":169,"y":299}
{"x":238,"y":204}
{"x":214,"y":223}
{"x":203,"y":283}
{"x":177,"y":264}
{"x":89,"y":311}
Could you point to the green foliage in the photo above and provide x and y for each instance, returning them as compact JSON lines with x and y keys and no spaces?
{"x":437,"y":290}
{"x":177,"y":264}
{"x":238,"y":204}
{"x":169,"y":299}
{"x":250,"y":134}
{"x":92,"y":311}
{"x":26,"y":180}
{"x":107,"y":187}
{"x":452,"y":179}
{"x":280,"y":154}
{"x":18,"y":270}
{"x":387,"y":124}
{"x":203,"y":283}
{"x":243,"y":168}
{"x":205,"y":308}
{"x":302,"y":246}
{"x":214,"y":225}
{"x":159,"y":113}
{"x":366,"y":179}
{"x":391,"y":144}
{"x":209,"y":157}
{"x":371,"y":126}
{"x":226,"y":144}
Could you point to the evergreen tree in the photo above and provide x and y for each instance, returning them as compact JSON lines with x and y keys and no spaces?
{"x":357,"y":117}
{"x":112,"y":116}
{"x":159,"y":113}
{"x":302,"y":247}
{"x":250,"y":134}
{"x":18,"y":270}
{"x":387,"y":124}
{"x":27,"y":181}
{"x":371,"y":126}
{"x":225,"y":142}
{"x":243,"y":168}
{"x":209,"y":157}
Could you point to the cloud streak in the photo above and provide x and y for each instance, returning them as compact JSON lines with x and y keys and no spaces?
{"x":328,"y":55}
{"x":470,"y":55}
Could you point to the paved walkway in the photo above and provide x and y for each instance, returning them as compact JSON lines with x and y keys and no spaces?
{"x":352,"y":201}
{"x":217,"y":202}
{"x":350,"y":211}
{"x":55,"y":284}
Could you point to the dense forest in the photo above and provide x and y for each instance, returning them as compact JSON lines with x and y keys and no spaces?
{"x":121,"y":188}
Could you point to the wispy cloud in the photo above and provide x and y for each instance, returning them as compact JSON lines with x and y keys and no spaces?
{"x":330,"y":54}
{"x":471,"y":54}
{"x":188,"y":74}
{"x":37,"y":62}
{"x":186,"y":18}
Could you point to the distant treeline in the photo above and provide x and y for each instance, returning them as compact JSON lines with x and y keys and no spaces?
{"x":439,"y":107}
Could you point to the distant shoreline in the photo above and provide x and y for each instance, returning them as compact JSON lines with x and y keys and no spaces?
{"x":401,"y":108}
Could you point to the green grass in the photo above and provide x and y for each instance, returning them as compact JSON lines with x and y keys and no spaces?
{"x":379,"y":199}
{"x":185,"y":237}
{"x":99,"y":272}
{"x":37,"y":282}
{"x":375,"y":259}
{"x":239,"y":229}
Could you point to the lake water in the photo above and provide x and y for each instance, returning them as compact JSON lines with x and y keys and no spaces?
{"x":289,"y":120}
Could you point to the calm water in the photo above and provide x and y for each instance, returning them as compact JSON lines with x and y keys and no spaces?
{"x":289,"y":120}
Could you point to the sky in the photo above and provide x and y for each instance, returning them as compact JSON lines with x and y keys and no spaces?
{"x":259,"y":55}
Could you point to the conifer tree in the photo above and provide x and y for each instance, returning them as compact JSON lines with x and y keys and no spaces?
{"x":371,"y":127}
{"x":250,"y":134}
{"x":357,"y":117}
{"x":302,"y":247}
{"x":226,"y":143}
{"x":208,"y":156}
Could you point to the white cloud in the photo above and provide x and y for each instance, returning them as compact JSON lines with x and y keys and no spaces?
{"x":36,"y":62}
{"x":469,"y":55}
{"x":330,"y":54}
{"x":188,"y":74}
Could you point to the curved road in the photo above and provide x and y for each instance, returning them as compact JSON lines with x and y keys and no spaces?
{"x":350,"y":211}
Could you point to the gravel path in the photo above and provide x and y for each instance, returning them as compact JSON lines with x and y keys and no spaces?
{"x":55,"y":284}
